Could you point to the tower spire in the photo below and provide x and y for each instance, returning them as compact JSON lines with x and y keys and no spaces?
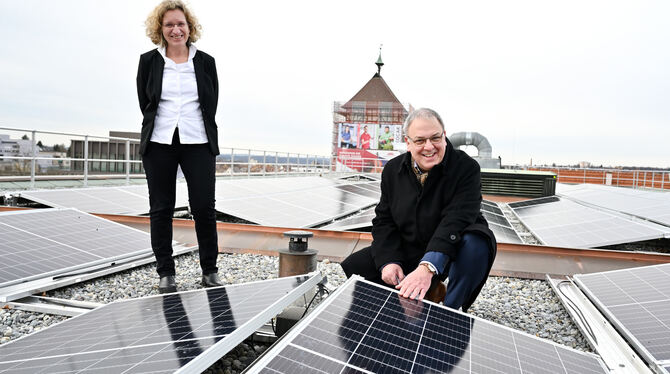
{"x":379,"y":62}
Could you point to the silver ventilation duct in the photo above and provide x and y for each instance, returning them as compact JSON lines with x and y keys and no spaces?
{"x":472,"y":138}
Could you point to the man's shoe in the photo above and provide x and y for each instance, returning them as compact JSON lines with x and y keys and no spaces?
{"x":211,"y":280}
{"x":167,"y":284}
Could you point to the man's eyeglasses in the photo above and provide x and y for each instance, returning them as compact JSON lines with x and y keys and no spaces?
{"x":435,"y":139}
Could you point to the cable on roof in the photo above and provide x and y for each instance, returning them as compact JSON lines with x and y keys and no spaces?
{"x":578,"y":312}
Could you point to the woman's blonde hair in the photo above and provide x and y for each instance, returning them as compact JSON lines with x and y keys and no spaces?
{"x":154,"y":22}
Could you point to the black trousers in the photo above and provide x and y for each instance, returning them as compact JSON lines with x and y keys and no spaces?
{"x":198,"y":164}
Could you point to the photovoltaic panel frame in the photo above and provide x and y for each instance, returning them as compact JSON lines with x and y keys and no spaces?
{"x":637,"y":302}
{"x":182,"y":332}
{"x":367,"y":328}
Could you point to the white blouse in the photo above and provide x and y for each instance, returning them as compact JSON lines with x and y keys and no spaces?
{"x":179,"y":106}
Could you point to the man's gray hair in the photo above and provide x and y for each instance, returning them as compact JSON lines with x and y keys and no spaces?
{"x":421,"y":113}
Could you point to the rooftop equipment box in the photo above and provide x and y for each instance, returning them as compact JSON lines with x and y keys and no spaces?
{"x":524,"y":183}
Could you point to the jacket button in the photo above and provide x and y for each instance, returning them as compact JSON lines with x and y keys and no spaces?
{"x":452,"y":237}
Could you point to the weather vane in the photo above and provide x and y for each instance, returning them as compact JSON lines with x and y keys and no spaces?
{"x":379,"y":62}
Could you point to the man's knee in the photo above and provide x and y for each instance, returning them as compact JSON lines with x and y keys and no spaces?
{"x":361,"y":263}
{"x":473,"y":259}
{"x":348,"y":266}
{"x":474,"y":247}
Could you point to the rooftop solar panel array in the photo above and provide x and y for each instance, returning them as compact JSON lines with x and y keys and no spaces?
{"x":45,"y":242}
{"x":561,"y":222}
{"x":131,"y":200}
{"x":367,"y":328}
{"x":293,"y":202}
{"x":185,"y":331}
{"x":637,"y":302}
{"x":651,"y":205}
{"x":498,"y":223}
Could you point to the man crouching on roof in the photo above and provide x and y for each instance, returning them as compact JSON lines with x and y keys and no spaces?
{"x":428,"y":225}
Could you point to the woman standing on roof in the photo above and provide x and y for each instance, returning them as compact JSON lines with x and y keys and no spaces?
{"x":178,"y":91}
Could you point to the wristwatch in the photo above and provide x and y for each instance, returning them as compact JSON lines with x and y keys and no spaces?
{"x":429,"y":266}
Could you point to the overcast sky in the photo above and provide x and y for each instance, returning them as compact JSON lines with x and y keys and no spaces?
{"x":562,"y":81}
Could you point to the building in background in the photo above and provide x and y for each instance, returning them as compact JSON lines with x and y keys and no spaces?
{"x":15,"y":147}
{"x":367,"y":129}
{"x":111,"y":149}
{"x":11,"y":148}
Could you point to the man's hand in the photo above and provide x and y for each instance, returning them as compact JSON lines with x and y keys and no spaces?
{"x":416,"y":284}
{"x":392,"y":274}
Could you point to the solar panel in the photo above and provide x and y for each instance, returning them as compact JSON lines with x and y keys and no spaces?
{"x":364,"y":328}
{"x":560,"y":222}
{"x":292,"y":202}
{"x":180,"y":332}
{"x":505,"y":234}
{"x":498,"y":223}
{"x":359,"y":221}
{"x":132,"y":200}
{"x":360,"y":191}
{"x":491,"y":207}
{"x":532,"y":202}
{"x":651,"y":205}
{"x":46,"y":242}
{"x":495,"y":218}
{"x":637,"y":302}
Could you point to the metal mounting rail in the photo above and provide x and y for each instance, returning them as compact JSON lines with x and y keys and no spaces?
{"x":52,"y":305}
{"x":601,"y":335}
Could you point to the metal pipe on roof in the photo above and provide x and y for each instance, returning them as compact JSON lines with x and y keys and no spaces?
{"x":472,"y":138}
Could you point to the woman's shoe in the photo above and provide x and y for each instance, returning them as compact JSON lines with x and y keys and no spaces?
{"x":211,"y":280}
{"x":167,"y":284}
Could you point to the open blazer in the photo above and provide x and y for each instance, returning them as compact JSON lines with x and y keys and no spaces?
{"x":150,"y":85}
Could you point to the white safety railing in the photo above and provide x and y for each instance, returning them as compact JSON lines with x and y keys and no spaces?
{"x":117,"y":157}
{"x":236,"y":161}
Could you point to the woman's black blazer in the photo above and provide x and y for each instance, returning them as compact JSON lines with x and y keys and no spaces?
{"x":150,"y":84}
